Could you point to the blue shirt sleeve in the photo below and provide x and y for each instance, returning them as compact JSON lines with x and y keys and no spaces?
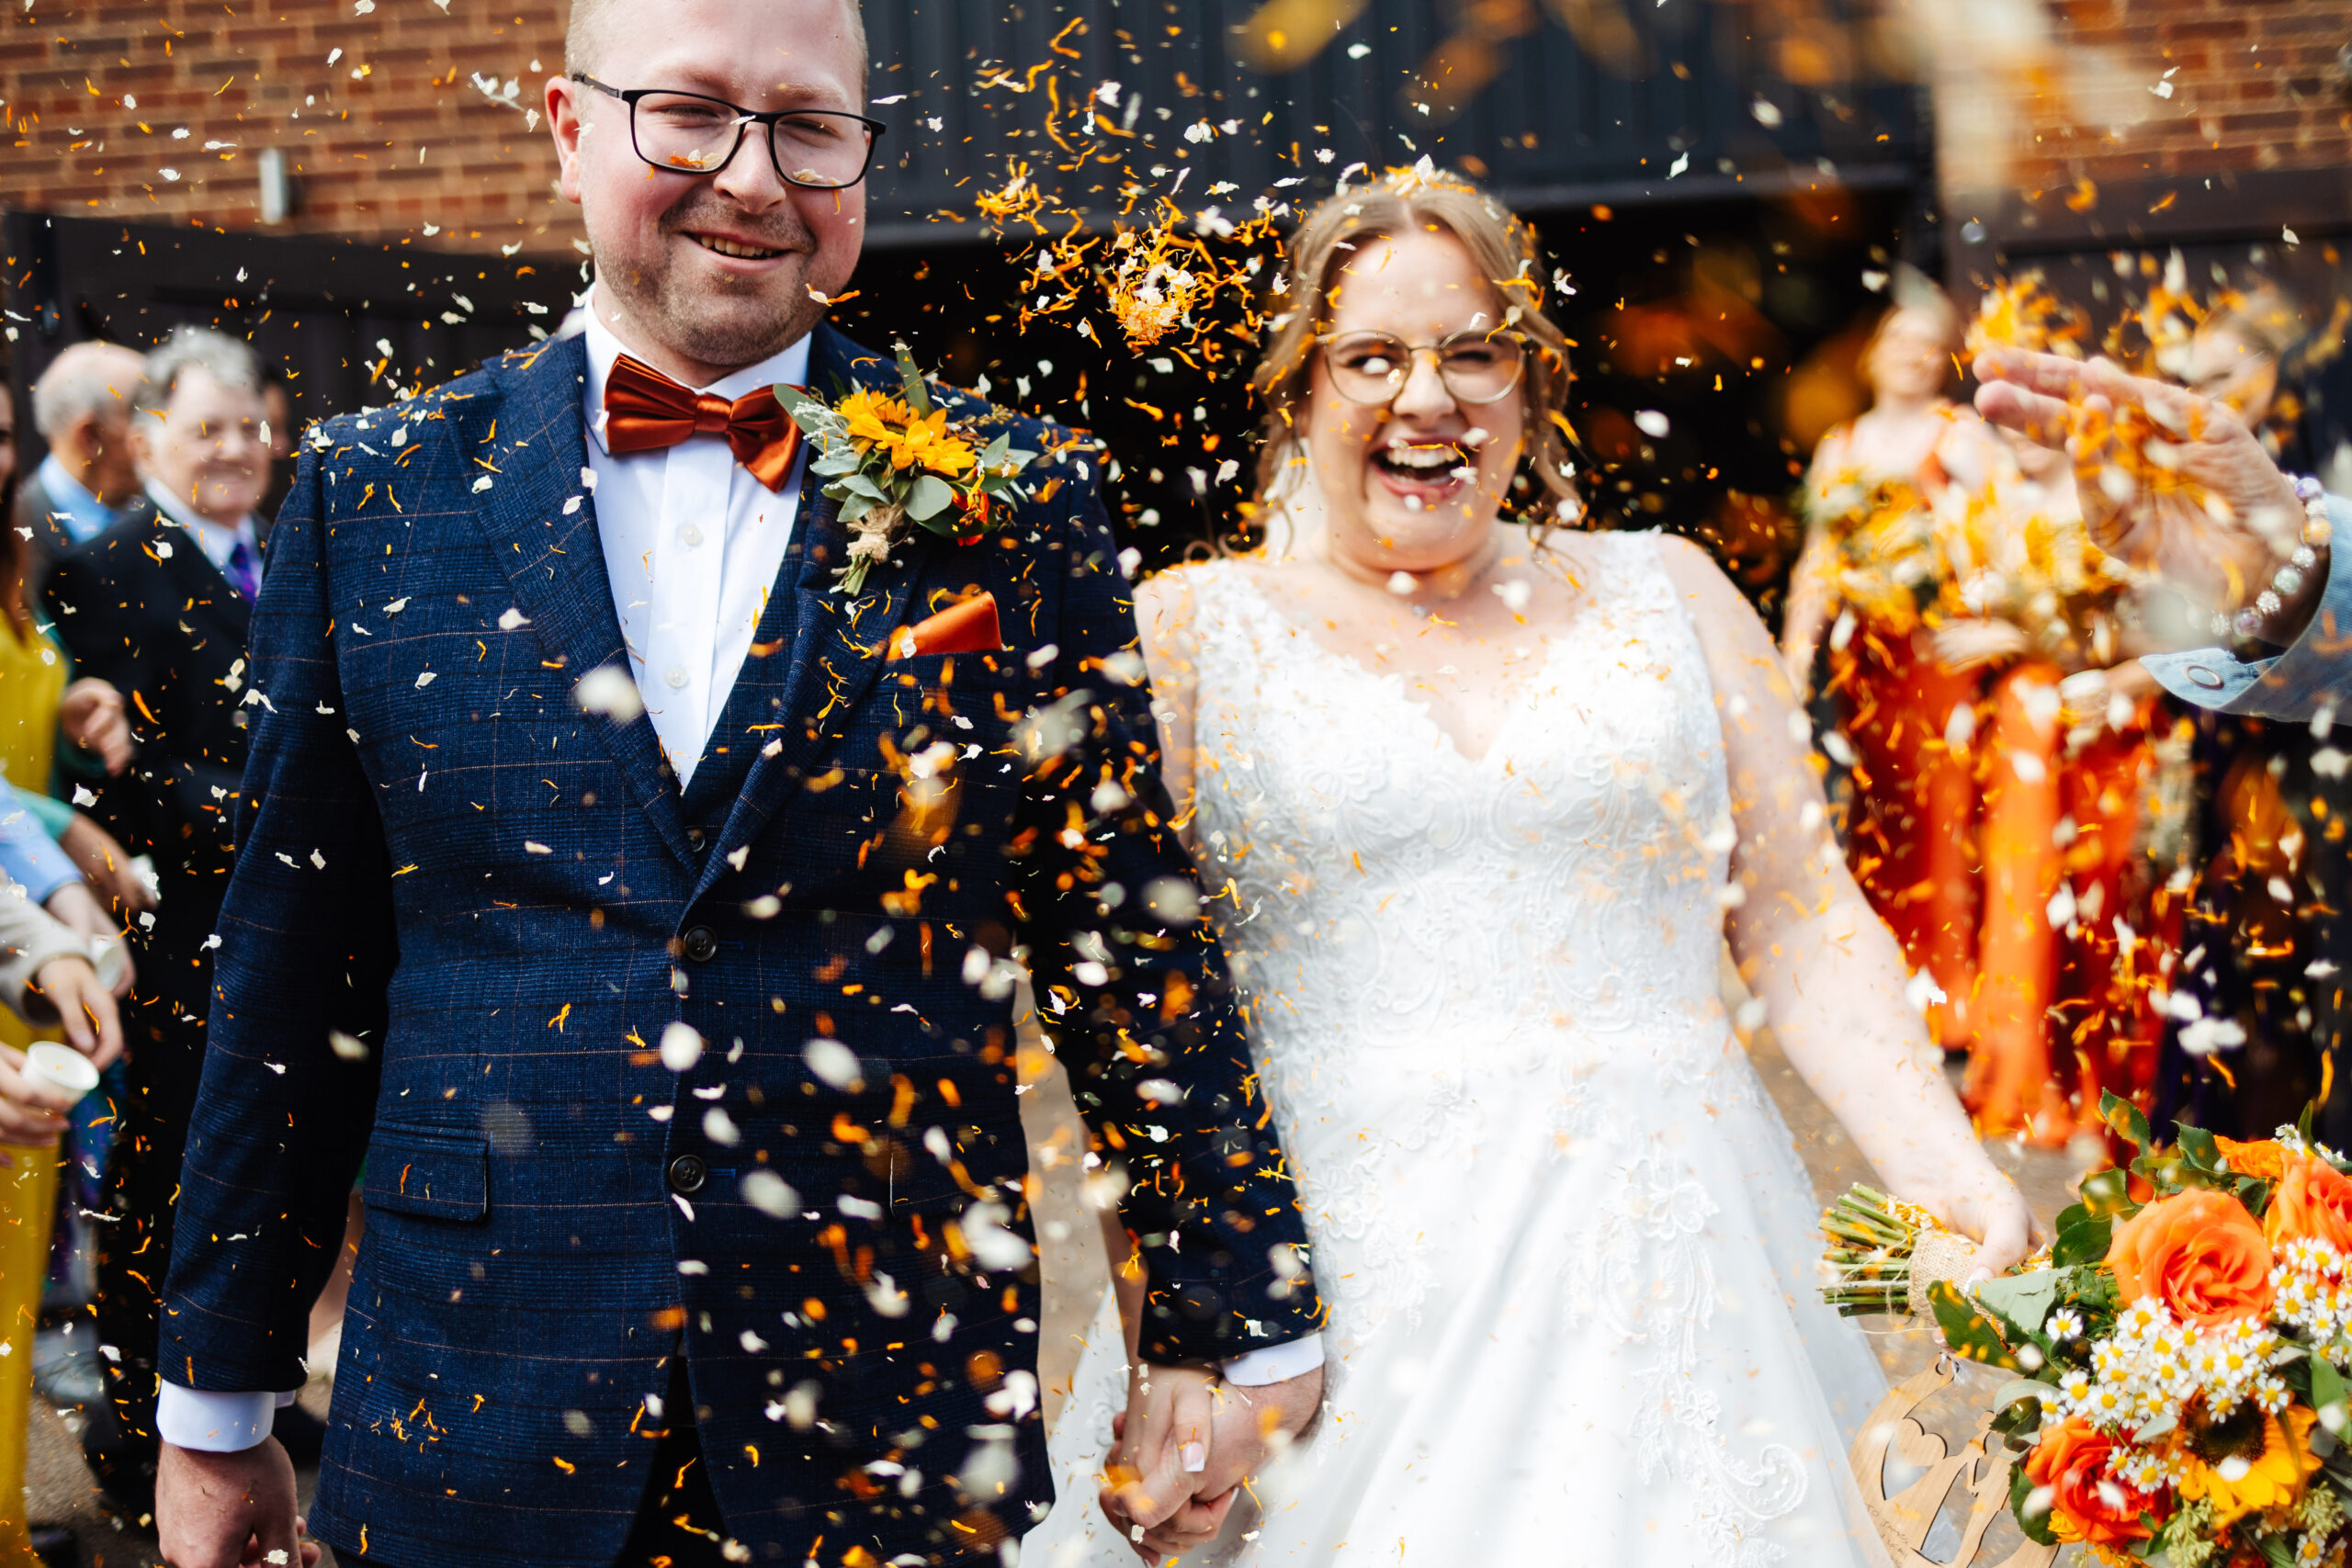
{"x":29,"y":856}
{"x":2316,"y":672}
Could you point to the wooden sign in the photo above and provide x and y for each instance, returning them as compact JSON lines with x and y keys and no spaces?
{"x":1979,"y":1474}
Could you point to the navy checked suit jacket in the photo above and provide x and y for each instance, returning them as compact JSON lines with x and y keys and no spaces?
{"x":493,"y":892}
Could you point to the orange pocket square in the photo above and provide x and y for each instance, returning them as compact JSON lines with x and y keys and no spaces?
{"x":967,"y":626}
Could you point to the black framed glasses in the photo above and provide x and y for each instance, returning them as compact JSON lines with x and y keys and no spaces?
{"x":688,"y":133}
{"x":1477,"y":366}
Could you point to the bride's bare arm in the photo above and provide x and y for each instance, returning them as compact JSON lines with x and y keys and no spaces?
{"x":1829,"y":972}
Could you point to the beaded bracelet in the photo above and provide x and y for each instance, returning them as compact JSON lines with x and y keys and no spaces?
{"x":2289,"y":580}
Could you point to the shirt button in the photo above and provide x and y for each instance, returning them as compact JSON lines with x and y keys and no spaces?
{"x":690,"y":534}
{"x":687,"y":1174}
{"x":701,"y":943}
{"x":677,"y":677}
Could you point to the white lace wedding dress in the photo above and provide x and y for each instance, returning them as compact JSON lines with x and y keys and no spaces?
{"x":1567,"y":1243}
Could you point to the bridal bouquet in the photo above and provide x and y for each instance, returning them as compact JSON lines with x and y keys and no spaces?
{"x":2183,"y":1362}
{"x":893,"y":460}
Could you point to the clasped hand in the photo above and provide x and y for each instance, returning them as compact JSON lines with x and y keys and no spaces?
{"x":1185,"y":1444}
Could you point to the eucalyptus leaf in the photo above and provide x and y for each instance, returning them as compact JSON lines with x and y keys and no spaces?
{"x":931,"y":496}
{"x":853,"y":508}
{"x":998,"y":449}
{"x":1969,"y":1332}
{"x":2023,"y":1299}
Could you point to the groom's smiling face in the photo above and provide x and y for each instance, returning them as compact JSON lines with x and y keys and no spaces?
{"x":705,"y":274}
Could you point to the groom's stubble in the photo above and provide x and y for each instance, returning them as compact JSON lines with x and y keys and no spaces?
{"x":724,"y":320}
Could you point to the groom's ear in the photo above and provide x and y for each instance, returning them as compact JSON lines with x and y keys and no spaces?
{"x":566,"y":108}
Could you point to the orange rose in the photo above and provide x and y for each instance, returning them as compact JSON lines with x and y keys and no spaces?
{"x":2266,"y":1159}
{"x":2198,"y":1252}
{"x":2086,"y":1503}
{"x":2314,"y":1199}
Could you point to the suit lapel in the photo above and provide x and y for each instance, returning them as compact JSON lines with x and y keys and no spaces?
{"x":838,"y":643}
{"x":204,"y":591}
{"x":528,"y":440}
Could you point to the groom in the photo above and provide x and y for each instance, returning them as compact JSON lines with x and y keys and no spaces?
{"x":667,"y":896}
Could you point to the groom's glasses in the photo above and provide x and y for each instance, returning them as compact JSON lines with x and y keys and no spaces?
{"x":1373,"y":367}
{"x":687,"y":133}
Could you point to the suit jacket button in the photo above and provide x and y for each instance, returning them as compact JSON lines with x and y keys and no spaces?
{"x":687,"y":1173}
{"x":702,"y":944}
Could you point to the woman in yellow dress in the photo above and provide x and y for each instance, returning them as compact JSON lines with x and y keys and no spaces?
{"x":34,"y":698}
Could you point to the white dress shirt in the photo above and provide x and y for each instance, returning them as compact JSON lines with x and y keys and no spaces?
{"x":692,"y":546}
{"x":218,"y":541}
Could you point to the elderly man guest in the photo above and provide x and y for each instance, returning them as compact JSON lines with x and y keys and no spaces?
{"x":82,"y":408}
{"x":157,"y":606}
{"x":2248,"y":545}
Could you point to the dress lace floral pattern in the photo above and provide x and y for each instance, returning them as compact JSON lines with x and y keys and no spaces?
{"x":1565,"y":1238}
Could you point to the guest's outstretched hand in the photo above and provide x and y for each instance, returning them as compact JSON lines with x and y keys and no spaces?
{"x":2170,"y":482}
{"x":92,"y":717}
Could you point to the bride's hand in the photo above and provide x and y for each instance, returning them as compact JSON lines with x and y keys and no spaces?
{"x":1986,"y":1207}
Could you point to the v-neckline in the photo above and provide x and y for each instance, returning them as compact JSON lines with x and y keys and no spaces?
{"x":1521,"y":702}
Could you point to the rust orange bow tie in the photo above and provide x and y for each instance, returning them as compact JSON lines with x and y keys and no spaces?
{"x":645,"y":412}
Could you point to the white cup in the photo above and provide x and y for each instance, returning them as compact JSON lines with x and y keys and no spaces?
{"x":110,"y":959}
{"x":61,"y":1066}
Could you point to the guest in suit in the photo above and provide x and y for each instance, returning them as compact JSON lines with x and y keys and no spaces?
{"x":157,"y":606}
{"x":672,"y":898}
{"x":82,"y":408}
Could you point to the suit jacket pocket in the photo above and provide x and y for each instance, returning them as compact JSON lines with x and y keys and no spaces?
{"x":433,"y":1175}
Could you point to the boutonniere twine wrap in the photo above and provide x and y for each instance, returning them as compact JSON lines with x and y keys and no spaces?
{"x":891,"y":460}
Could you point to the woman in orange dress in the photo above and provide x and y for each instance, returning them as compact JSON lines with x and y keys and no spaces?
{"x":1869,"y":569}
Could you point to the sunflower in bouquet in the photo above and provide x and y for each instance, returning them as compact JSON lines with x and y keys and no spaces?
{"x":2181,"y":1363}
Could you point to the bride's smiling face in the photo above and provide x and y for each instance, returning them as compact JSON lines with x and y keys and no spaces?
{"x":1418,"y":480}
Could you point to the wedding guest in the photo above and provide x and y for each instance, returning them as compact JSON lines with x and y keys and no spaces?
{"x":2247,"y":544}
{"x":31,"y":1113}
{"x":157,"y":606}
{"x":82,"y":408}
{"x":1871,"y":494}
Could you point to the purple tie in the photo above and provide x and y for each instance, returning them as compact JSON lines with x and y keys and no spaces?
{"x":243,"y":571}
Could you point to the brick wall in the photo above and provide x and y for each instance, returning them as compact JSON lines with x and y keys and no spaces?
{"x":393,"y":139}
{"x":2145,"y":97}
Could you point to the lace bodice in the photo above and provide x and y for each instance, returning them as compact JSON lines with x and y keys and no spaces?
{"x":1387,"y":886}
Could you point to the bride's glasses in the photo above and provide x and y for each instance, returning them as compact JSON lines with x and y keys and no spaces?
{"x":687,"y":133}
{"x":1373,"y":367}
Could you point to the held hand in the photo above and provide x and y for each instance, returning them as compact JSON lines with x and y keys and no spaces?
{"x":1163,"y":1444}
{"x":1248,"y":1428}
{"x":88,"y":1013}
{"x":31,"y":1113}
{"x":92,"y":716}
{"x":2131,"y":440}
{"x":229,"y":1510}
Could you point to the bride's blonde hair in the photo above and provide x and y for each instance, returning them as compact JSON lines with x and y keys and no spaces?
{"x":1501,"y":245}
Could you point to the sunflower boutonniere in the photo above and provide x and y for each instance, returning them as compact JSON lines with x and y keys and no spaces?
{"x":888,"y":460}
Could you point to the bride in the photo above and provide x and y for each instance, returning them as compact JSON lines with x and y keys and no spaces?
{"x":1483,"y":801}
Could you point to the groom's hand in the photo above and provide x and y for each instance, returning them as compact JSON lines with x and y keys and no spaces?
{"x":1247,"y":1428}
{"x":229,"y":1510}
{"x":1164,"y":1447}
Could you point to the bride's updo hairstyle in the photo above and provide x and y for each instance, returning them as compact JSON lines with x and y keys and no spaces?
{"x":1503,"y":247}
